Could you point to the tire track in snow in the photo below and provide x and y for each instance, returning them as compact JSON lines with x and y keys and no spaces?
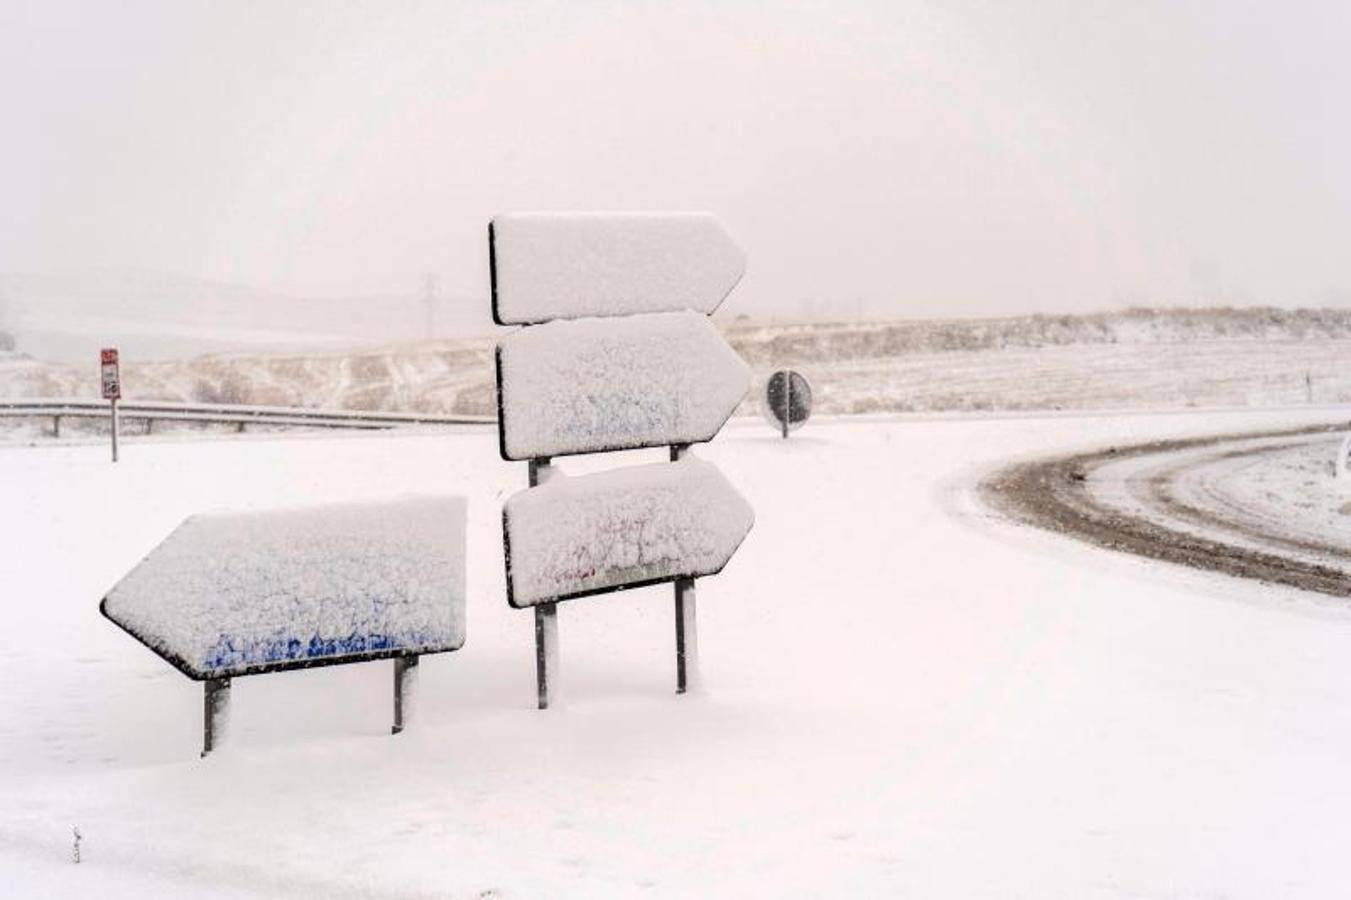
{"x":1148,"y":515}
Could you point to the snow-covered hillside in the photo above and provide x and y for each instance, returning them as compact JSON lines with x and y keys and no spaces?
{"x":905,"y":696}
{"x":1131,"y":360}
{"x":152,"y":316}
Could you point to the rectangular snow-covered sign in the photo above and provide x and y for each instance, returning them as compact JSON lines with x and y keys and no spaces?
{"x":593,"y":385}
{"x":572,"y":265}
{"x":233,"y":594}
{"x":574,"y":536}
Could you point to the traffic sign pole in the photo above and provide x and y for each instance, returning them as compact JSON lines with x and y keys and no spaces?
{"x":405,"y":684}
{"x":115,"y":428}
{"x":110,"y":376}
{"x":687,"y":635}
{"x":216,"y":707}
{"x":546,"y":614}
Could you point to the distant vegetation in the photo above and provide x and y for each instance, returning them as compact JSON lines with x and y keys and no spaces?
{"x":844,"y":341}
{"x":1119,"y":360}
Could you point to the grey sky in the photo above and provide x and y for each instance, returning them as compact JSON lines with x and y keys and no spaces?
{"x":897,"y":159}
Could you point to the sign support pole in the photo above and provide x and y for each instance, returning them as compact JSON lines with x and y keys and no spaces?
{"x":546,"y":614}
{"x":687,"y":635}
{"x":215,"y":708}
{"x":115,"y":428}
{"x":405,"y":683}
{"x":546,"y":648}
{"x":787,"y":402}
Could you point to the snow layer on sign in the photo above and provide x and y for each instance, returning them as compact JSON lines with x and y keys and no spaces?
{"x":574,"y":535}
{"x":605,"y":384}
{"x":234,"y":592}
{"x":569,"y":265}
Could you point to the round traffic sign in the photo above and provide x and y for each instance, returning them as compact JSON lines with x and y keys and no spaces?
{"x":788,"y":399}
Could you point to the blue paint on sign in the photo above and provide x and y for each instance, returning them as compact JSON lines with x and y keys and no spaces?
{"x":226,"y":653}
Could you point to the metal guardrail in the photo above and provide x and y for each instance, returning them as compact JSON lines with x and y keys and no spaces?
{"x":226,"y":414}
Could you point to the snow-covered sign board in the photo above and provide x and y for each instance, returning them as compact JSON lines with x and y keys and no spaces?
{"x":110,"y":376}
{"x":571,"y":265}
{"x":590,"y":385}
{"x":235,"y":594}
{"x":618,"y":354}
{"x":574,"y":536}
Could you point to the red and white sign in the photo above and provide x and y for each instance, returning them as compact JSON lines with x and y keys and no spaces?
{"x":112,"y":378}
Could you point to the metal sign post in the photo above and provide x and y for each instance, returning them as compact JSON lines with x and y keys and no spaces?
{"x":112,"y":386}
{"x":215,"y":712}
{"x":546,"y":614}
{"x":405,"y":681}
{"x":619,"y":354}
{"x":687,"y":635}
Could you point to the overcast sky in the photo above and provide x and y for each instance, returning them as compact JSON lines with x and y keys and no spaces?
{"x":893,"y":158}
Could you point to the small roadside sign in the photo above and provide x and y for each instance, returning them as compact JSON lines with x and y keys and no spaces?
{"x":788,"y":400}
{"x":112,"y":378}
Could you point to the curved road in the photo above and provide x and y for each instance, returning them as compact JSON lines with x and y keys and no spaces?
{"x":1263,"y":506}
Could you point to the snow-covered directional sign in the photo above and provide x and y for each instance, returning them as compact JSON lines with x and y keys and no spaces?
{"x":611,"y":384}
{"x":575,"y":536}
{"x":241,"y":593}
{"x":569,"y":265}
{"x":619,"y":354}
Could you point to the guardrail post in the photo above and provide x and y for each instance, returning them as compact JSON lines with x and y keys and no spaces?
{"x":405,"y":688}
{"x":216,"y":706}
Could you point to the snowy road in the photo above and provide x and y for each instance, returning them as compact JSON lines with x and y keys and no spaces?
{"x":906,"y":696}
{"x":1262,"y":506}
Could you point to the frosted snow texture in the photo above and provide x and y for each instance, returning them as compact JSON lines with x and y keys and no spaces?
{"x":1342,"y":466}
{"x":606,"y":384}
{"x":571,"y":265}
{"x":229,"y":593}
{"x":574,"y":535}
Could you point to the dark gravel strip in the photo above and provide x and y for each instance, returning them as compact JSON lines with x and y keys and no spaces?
{"x":1052,"y":494}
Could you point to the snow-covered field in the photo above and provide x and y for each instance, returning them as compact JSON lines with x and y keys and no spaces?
{"x":904,"y":696}
{"x":1129,"y":360}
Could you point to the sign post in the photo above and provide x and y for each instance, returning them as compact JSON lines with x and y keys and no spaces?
{"x":619,"y":354}
{"x":112,"y":386}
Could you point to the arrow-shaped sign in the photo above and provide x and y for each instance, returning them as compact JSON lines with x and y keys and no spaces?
{"x":240,"y":593}
{"x":593,"y":385}
{"x":624,"y":528}
{"x":571,"y":265}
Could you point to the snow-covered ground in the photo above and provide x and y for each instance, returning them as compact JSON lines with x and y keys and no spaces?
{"x":904,"y":696}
